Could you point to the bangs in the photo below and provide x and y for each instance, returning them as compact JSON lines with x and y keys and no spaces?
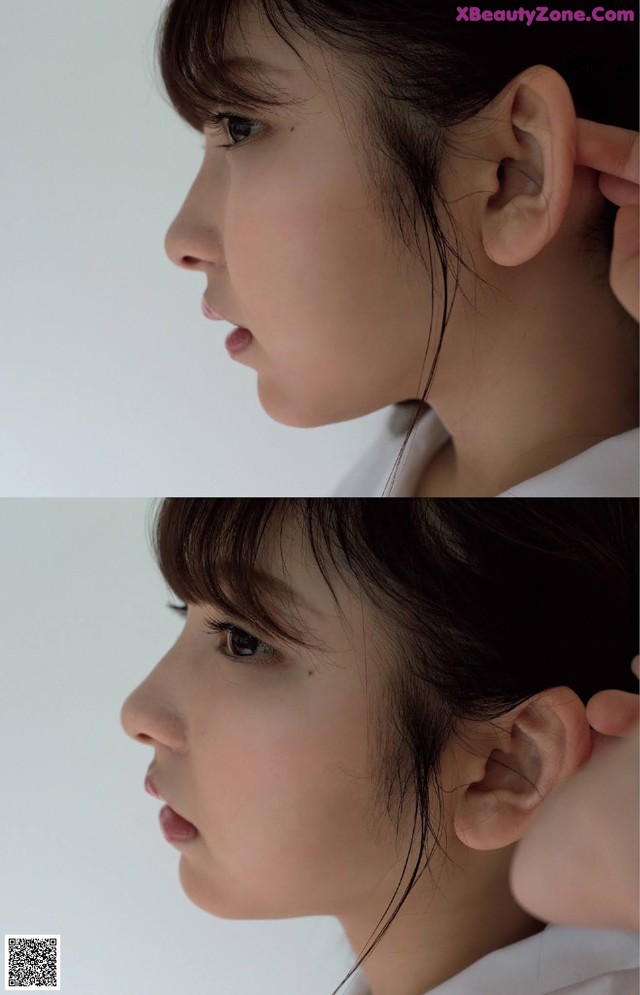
{"x":223,"y":552}
{"x":197,"y":75}
{"x":233,"y":553}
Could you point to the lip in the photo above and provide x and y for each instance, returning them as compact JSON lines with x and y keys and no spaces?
{"x":166,"y":814}
{"x":150,"y":787}
{"x":238,"y":341}
{"x":212,"y":314}
{"x":175,"y":827}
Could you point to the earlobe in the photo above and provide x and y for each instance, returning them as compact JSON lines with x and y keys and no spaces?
{"x":540,"y":743}
{"x":534,"y":175}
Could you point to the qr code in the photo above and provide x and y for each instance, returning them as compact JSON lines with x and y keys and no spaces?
{"x":32,"y":963}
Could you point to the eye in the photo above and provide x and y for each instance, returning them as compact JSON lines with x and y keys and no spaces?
{"x":234,"y":121}
{"x":241,"y":643}
{"x":238,"y":642}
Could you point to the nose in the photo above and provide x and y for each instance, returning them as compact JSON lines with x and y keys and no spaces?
{"x":185,"y":248}
{"x":132,"y":717}
{"x":192,"y":240}
{"x":148,"y":718}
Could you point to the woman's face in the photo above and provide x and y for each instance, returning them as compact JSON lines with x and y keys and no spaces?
{"x":268,"y":757}
{"x":284,"y":229}
{"x":273,"y":758}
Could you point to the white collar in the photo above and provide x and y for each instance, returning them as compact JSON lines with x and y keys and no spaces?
{"x":559,"y":959}
{"x":611,"y":468}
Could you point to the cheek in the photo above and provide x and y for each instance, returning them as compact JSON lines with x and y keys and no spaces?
{"x":287,"y":819}
{"x":340,"y":330}
{"x":332,"y":341}
{"x":313,"y":265}
{"x":279,"y":782}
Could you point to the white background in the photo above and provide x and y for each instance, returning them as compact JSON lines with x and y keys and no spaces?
{"x":111,"y":380}
{"x":82,"y":622}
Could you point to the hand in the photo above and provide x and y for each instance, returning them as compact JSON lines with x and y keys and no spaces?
{"x":614,"y":153}
{"x":613,"y":713}
{"x":577,"y":864}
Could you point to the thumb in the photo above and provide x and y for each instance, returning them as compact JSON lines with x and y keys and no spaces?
{"x":613,"y":712}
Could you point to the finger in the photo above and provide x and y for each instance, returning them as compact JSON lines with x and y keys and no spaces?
{"x":635,"y":666}
{"x":613,"y":712}
{"x":624,"y":275}
{"x":608,"y":149}
{"x":617,"y":190}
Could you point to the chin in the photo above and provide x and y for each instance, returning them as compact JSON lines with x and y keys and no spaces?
{"x":296,"y":412}
{"x":292,"y":411}
{"x":209,"y":894}
{"x":225,"y":900}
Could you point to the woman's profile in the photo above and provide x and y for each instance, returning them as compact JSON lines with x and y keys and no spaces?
{"x":368,"y":705}
{"x":390,"y":210}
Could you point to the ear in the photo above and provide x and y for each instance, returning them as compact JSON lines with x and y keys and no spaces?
{"x":514,"y":763}
{"x":531,"y":155}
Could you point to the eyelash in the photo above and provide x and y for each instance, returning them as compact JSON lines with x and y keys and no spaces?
{"x":217,"y":119}
{"x":216,"y":627}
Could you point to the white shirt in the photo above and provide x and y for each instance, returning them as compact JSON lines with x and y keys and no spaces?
{"x":559,"y":960}
{"x":609,"y":469}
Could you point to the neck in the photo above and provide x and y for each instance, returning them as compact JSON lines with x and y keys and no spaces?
{"x":549,"y":373}
{"x":436,"y":935}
